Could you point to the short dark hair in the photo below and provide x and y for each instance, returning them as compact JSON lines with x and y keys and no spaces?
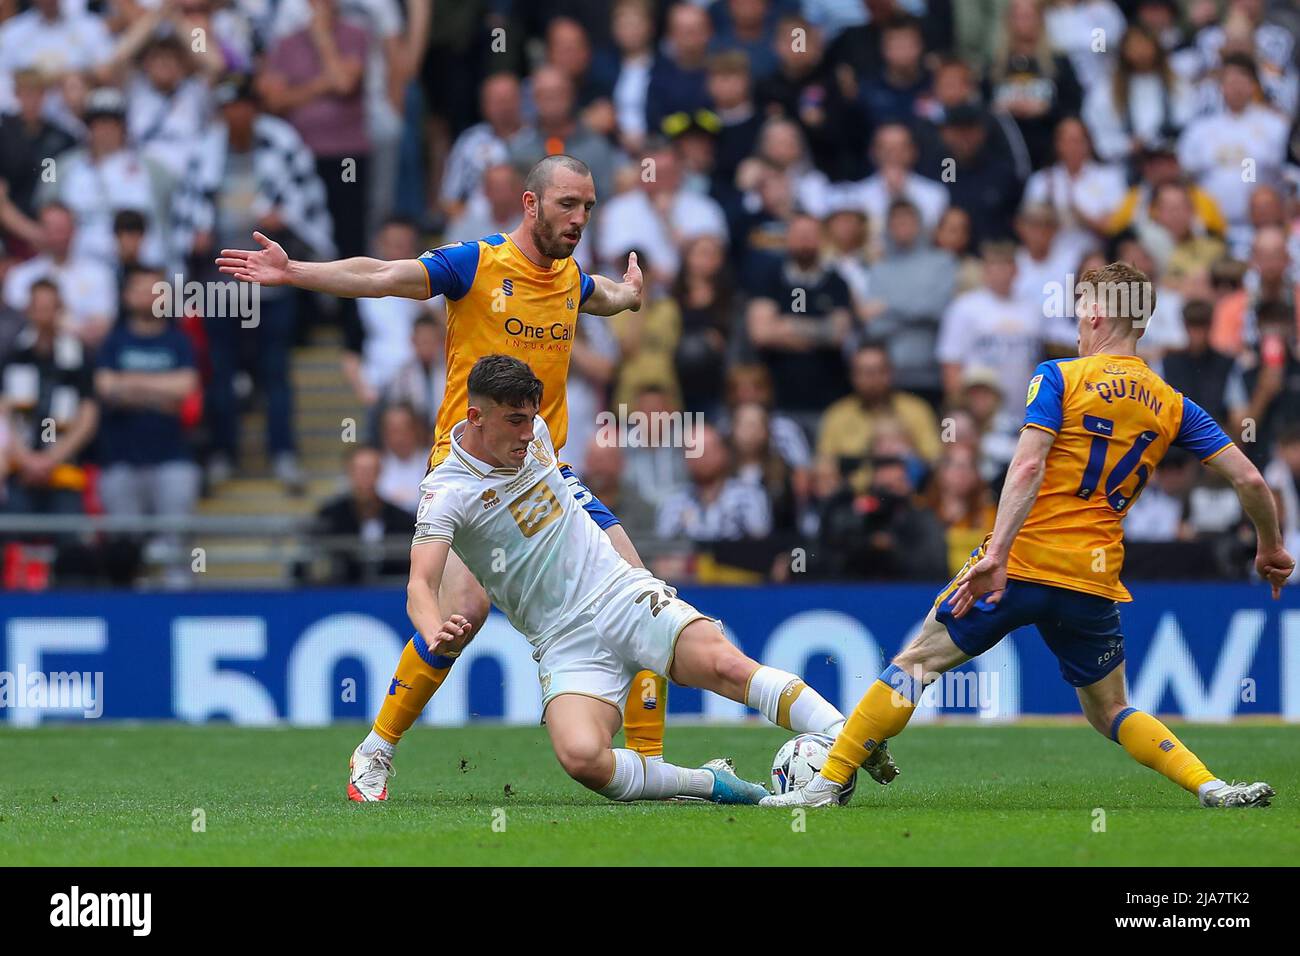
{"x":48,"y":284}
{"x":129,"y":220}
{"x":540,"y":176}
{"x":505,"y":380}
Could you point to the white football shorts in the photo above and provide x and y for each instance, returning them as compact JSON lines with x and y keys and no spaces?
{"x":633,"y":626}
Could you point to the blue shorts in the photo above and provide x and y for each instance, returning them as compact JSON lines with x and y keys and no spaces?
{"x":603,"y":517}
{"x":1082,"y":630}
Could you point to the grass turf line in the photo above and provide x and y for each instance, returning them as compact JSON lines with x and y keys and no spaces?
{"x":127,"y":795}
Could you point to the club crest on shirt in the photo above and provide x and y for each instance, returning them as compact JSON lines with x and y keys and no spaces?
{"x":540,"y":453}
{"x":1034,"y":382}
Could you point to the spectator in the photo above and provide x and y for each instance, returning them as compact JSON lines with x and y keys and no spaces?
{"x":1271,"y":379}
{"x":748,"y":26}
{"x":991,"y":328}
{"x":28,"y":140}
{"x":371,"y":522}
{"x":659,"y":217}
{"x":422,"y":380}
{"x":1085,"y":194}
{"x":1160,"y":514}
{"x":252,"y":171}
{"x":494,"y":209}
{"x":758,"y":462}
{"x":1141,"y":104}
{"x":1283,"y":476}
{"x":593,"y":362}
{"x":961,"y":500}
{"x":1213,"y":148}
{"x":87,"y":290}
{"x":849,"y":427}
{"x":1159,"y":165}
{"x":705,"y":296}
{"x":106,"y":175}
{"x":1204,"y":374}
{"x":627,"y":68}
{"x":955,"y":89}
{"x":846,"y":235}
{"x":647,"y":343}
{"x":406,"y":457}
{"x":379,"y":348}
{"x":714,"y":506}
{"x":1269,"y":279}
{"x":145,"y":378}
{"x":883,"y":534}
{"x":894,"y":154}
{"x":890,"y":95}
{"x":1043,"y":275}
{"x":911,"y":284}
{"x":981,"y":421}
{"x":752,"y":383}
{"x":49,"y":404}
{"x":559,"y":130}
{"x":605,"y":476}
{"x":1178,"y":248}
{"x":739,"y":121}
{"x":484,"y":144}
{"x":568,"y":49}
{"x":314,"y":78}
{"x":1072,"y":26}
{"x":59,"y":43}
{"x":806,"y":90}
{"x":988,"y":187}
{"x":129,"y":228}
{"x":653,"y":471}
{"x":678,"y":76}
{"x":168,"y":100}
{"x":1026,"y":79}
{"x":799,"y":320}
{"x":953,"y":236}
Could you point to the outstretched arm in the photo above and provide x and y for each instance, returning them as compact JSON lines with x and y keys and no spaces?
{"x":428,"y":562}
{"x":610,"y":297}
{"x":1272,"y":561}
{"x":359,"y":277}
{"x":1019,"y":492}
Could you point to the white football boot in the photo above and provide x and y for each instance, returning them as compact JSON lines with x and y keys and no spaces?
{"x":820,"y":792}
{"x":1232,"y":795}
{"x":368,"y":776}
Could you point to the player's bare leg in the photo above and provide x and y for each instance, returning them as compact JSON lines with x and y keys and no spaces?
{"x":418,"y":676}
{"x":582,"y":731}
{"x":704,"y":658}
{"x":646,"y":707}
{"x":1152,"y":744}
{"x":883,"y":712}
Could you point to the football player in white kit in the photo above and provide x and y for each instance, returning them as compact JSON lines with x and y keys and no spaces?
{"x":499,"y":501}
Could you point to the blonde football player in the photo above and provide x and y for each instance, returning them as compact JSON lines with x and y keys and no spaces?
{"x":1095,"y":428}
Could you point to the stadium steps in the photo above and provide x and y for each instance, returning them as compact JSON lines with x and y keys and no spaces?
{"x":322,"y":402}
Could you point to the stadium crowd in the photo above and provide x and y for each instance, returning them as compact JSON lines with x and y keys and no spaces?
{"x":860,"y":223}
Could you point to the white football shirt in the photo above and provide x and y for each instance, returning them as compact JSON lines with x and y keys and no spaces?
{"x":521,"y":533}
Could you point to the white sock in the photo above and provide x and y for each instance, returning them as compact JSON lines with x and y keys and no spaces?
{"x":639,"y":778}
{"x":788,"y":702}
{"x":1208,"y":787}
{"x":377,"y":744}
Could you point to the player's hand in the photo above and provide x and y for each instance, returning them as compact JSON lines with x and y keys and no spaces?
{"x":1275,"y":567}
{"x":633,"y":278}
{"x":452,"y":637}
{"x":267,"y":266}
{"x":987,"y":579}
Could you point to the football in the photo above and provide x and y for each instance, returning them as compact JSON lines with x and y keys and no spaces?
{"x":801,"y":757}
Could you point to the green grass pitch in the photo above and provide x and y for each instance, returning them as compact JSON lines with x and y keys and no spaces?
{"x":128,"y":795}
